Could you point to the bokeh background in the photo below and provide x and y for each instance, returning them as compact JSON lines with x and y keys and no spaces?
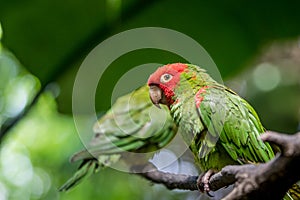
{"x":256,"y":46}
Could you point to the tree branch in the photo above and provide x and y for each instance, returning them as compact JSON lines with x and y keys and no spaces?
{"x":269,"y":180}
{"x":171,"y":181}
{"x":264,"y":181}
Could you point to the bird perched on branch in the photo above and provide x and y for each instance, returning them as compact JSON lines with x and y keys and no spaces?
{"x":220,"y":127}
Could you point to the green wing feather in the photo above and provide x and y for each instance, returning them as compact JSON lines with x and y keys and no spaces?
{"x":232,"y":125}
{"x":231,"y":119}
{"x":132,"y":124}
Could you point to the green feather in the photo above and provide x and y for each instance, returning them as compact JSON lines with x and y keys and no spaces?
{"x":87,"y":168}
{"x":132,"y":124}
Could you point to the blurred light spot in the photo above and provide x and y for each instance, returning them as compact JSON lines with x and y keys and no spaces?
{"x":266,"y":77}
{"x":37,"y":186}
{"x":16,"y":168}
{"x":17,"y":94}
{"x":16,"y":101}
{"x":3,"y":192}
{"x":41,"y":183}
{"x":8,"y":68}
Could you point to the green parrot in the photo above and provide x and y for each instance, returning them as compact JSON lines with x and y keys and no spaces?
{"x":131,"y":125}
{"x":219,"y":126}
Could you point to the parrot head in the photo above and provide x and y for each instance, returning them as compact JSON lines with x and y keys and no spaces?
{"x":163,"y":82}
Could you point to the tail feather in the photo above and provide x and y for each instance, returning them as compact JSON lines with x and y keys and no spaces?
{"x":87,"y":168}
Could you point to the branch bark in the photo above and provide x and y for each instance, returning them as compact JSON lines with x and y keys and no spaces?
{"x":269,"y":180}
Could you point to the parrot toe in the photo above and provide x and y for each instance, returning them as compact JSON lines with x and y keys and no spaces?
{"x":203,"y":182}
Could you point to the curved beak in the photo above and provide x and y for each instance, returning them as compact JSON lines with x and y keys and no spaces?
{"x":156,"y":95}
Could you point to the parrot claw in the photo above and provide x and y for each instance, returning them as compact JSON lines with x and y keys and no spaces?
{"x":203,"y":182}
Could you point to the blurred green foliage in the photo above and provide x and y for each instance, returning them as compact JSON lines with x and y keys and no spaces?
{"x":51,"y":38}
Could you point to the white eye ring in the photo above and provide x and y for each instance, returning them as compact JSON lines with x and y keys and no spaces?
{"x":165,"y":78}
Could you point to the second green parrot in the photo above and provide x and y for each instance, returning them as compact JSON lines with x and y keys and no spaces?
{"x":132,"y":124}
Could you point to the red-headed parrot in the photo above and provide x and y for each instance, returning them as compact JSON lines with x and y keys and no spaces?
{"x":220,"y":127}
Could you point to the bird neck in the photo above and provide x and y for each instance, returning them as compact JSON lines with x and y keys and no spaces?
{"x":191,"y":81}
{"x":183,"y":112}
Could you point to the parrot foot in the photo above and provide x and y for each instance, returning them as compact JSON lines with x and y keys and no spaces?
{"x":203,"y":181}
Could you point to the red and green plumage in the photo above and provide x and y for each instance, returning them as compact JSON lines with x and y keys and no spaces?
{"x":225,"y":129}
{"x":220,"y":127}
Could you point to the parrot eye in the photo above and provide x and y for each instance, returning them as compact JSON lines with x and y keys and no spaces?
{"x":166,"y":78}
